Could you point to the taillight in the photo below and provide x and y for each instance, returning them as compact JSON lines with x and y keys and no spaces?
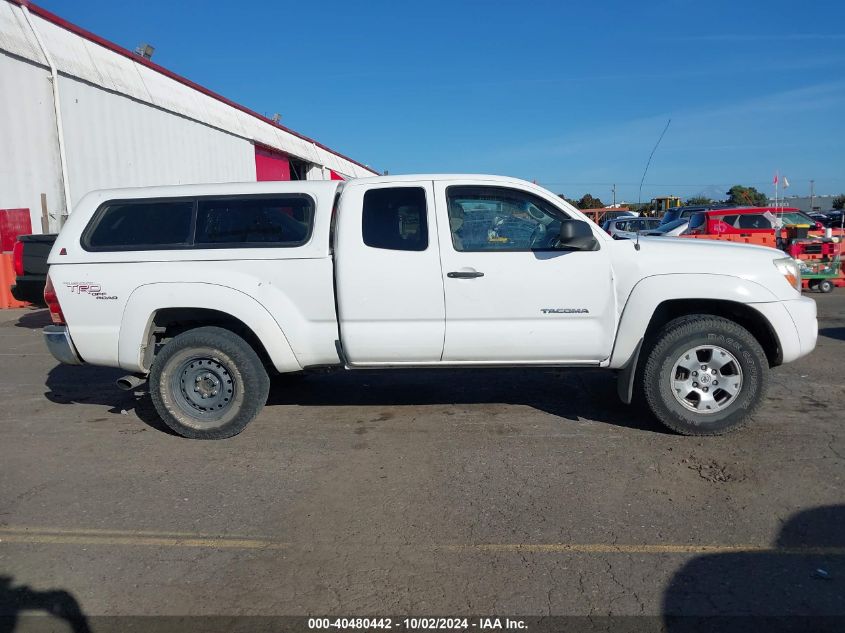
{"x":17,"y":258}
{"x":52,"y":302}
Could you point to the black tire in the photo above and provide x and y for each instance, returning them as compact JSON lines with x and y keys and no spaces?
{"x":666,"y":353}
{"x":825,"y":286}
{"x":813,"y":285}
{"x":208,"y":383}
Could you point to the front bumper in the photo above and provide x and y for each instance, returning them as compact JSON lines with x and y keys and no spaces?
{"x":795,"y":324}
{"x":60,"y":345}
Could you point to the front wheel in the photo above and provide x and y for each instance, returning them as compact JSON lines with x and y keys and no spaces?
{"x":704,"y":375}
{"x":208,"y":383}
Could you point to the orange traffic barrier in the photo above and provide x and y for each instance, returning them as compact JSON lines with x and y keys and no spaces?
{"x":7,"y":280}
{"x":760,"y":239}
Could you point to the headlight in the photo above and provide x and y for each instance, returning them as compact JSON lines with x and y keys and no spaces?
{"x":788,"y":267}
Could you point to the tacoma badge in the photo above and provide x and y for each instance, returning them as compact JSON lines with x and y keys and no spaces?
{"x":564,"y":310}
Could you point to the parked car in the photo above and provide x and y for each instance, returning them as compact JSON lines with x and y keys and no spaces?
{"x":202,"y":290}
{"x":600,"y":216}
{"x":676,"y":213}
{"x":30,"y":263}
{"x":626,"y":228}
{"x":822,"y":218}
{"x":671,"y":229}
{"x":834,"y":219}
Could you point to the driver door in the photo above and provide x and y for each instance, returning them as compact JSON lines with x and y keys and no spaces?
{"x":511,"y":296}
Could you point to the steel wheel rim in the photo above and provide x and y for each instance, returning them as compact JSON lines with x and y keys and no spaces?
{"x":204,"y":387}
{"x":706,"y":379}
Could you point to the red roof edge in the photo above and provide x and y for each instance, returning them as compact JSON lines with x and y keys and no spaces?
{"x":88,"y":35}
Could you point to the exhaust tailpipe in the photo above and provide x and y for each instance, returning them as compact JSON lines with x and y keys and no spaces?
{"x":130,"y":382}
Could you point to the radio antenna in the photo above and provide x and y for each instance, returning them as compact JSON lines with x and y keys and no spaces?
{"x":650,"y":156}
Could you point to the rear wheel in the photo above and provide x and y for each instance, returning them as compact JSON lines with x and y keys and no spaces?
{"x":704,"y":375}
{"x":208,"y":383}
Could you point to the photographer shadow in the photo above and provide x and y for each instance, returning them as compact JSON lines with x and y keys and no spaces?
{"x":22,"y":600}
{"x":796,"y":585}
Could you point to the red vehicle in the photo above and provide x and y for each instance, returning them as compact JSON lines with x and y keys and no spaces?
{"x":748,"y":220}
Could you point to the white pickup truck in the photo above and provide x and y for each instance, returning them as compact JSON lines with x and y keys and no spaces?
{"x":206,"y":290}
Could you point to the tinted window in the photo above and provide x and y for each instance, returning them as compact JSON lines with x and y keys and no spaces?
{"x":670,"y":216}
{"x":696,"y":221}
{"x":142,"y":225}
{"x":501,"y":219}
{"x":395,"y":218}
{"x":754,"y":221}
{"x":271,"y":221}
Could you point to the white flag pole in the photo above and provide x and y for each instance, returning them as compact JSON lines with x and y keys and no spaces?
{"x":776,"y":189}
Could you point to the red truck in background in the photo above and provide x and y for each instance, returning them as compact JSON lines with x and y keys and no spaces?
{"x":761,"y":220}
{"x":786,"y":228}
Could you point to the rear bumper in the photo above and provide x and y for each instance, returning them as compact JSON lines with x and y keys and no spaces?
{"x":60,"y":345}
{"x":29,"y":288}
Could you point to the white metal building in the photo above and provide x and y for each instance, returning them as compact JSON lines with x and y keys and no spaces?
{"x":79,"y":113}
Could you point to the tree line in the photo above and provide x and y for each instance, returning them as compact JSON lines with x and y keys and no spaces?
{"x":738,"y":195}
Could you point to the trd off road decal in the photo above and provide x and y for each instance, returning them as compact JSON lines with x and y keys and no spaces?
{"x":89,"y":288}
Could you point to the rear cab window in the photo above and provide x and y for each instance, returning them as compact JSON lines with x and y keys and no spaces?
{"x":250,"y":221}
{"x":394,"y":218}
{"x":273,"y":221}
{"x":140,"y":225}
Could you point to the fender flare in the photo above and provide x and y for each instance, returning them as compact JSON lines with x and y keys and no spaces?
{"x":147,"y":299}
{"x":650,"y":292}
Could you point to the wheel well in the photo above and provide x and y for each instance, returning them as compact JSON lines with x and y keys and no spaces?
{"x":170,"y":322}
{"x":740,"y":313}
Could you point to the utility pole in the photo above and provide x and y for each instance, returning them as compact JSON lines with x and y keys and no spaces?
{"x":812,"y":194}
{"x":614,"y":194}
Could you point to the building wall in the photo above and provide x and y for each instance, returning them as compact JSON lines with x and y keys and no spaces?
{"x":112,"y":140}
{"x":29,"y":151}
{"x":820,"y":203}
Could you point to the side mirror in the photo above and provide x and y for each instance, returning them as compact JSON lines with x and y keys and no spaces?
{"x":577,"y":235}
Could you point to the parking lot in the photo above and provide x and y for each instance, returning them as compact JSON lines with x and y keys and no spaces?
{"x":427,"y":492}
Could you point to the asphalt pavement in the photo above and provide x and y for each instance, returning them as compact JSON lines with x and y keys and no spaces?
{"x":436,"y":492}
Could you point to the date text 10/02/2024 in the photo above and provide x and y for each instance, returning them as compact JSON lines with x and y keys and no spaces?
{"x":417,"y":624}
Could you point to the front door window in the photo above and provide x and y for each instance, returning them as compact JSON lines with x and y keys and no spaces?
{"x":501,"y":219}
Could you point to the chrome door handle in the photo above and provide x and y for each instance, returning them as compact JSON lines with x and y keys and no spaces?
{"x":464,"y":274}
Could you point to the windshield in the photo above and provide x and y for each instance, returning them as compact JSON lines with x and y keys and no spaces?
{"x":663,"y":228}
{"x":669,"y":216}
{"x":796,"y":217}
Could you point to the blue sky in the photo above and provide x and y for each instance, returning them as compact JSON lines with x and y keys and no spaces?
{"x":572,"y":95}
